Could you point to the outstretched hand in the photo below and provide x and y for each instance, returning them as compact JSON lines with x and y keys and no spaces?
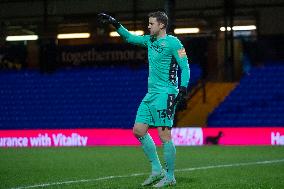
{"x":107,"y":19}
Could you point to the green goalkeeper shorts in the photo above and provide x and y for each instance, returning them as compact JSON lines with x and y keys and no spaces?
{"x":156,"y":110}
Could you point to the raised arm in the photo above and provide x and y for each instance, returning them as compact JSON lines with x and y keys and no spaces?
{"x":131,"y":38}
{"x":122,"y":31}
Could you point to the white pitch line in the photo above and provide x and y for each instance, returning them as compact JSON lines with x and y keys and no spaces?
{"x":230,"y":165}
{"x":140,"y":174}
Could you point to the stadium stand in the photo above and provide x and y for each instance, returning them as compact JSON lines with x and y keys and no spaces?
{"x":258,"y":100}
{"x":73,"y":98}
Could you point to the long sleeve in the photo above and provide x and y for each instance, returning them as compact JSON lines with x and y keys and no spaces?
{"x":133,"y":39}
{"x":182,"y":60}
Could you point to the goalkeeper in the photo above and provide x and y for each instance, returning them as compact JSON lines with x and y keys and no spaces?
{"x":157,"y":109}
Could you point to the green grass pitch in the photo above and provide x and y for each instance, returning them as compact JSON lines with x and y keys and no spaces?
{"x":219,"y":167}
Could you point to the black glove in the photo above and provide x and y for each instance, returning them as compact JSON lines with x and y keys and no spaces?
{"x":107,"y":19}
{"x":181,"y":102}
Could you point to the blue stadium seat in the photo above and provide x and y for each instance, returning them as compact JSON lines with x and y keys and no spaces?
{"x":73,"y":98}
{"x":258,"y":100}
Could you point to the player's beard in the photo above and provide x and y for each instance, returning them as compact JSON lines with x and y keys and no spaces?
{"x":154,"y":32}
{"x":154,"y":35}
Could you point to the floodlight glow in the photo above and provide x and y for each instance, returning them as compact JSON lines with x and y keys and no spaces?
{"x":22,"y":38}
{"x":240,"y":28}
{"x":186,"y":30}
{"x":73,"y":35}
{"x":137,"y":32}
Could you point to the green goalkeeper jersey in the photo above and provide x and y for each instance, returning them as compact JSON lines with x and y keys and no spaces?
{"x":165,"y":54}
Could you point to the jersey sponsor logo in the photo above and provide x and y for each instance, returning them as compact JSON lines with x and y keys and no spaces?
{"x":181,"y":53}
{"x":157,"y":48}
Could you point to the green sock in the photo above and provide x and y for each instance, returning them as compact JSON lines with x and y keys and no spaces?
{"x":149,"y":148}
{"x":170,"y":156}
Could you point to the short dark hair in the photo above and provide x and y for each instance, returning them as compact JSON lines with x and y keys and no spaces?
{"x":160,"y":16}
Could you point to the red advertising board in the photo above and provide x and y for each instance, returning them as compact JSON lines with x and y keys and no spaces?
{"x":124,"y":137}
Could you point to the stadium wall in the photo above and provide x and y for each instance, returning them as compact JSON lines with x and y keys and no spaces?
{"x":124,"y":137}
